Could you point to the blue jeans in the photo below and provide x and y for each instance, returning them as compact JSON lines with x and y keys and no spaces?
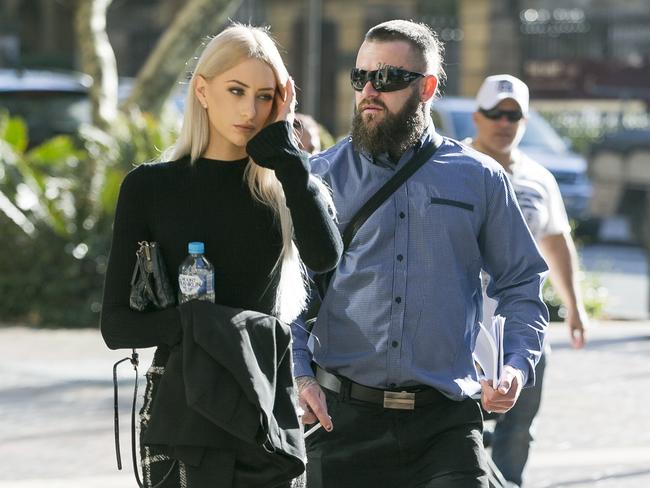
{"x":513,"y":432}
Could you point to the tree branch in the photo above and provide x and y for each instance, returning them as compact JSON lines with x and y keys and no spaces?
{"x":158,"y":76}
{"x":97,"y":59}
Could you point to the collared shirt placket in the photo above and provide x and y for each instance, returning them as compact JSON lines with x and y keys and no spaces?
{"x":396,"y":331}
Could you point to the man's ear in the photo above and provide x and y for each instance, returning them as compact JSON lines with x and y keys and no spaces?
{"x":429,"y":86}
{"x":199,"y":89}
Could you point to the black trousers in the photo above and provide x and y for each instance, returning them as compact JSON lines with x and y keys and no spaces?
{"x":439,"y":445}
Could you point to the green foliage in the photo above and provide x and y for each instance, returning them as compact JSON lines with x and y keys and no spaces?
{"x":56,"y":210}
{"x":594,"y":296}
{"x":586,"y":127}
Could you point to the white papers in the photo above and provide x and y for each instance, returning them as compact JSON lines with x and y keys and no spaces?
{"x":488,"y":350}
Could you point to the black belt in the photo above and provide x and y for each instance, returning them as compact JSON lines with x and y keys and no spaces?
{"x":402,"y":400}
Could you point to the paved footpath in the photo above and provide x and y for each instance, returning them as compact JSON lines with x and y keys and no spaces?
{"x":56,"y":411}
{"x":594,"y":423}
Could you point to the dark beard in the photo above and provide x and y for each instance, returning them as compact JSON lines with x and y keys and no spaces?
{"x":395,"y":134}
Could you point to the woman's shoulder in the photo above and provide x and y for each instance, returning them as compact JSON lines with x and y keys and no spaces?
{"x":156,"y":172}
{"x":150,"y":169}
{"x":153,"y":167}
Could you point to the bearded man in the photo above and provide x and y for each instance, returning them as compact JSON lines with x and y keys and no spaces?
{"x":388,"y":371}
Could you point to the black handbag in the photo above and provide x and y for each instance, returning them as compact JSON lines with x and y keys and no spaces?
{"x":150,"y":285}
{"x":322,"y":280}
{"x":150,"y":290}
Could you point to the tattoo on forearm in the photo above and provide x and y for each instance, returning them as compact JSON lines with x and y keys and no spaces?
{"x":304,"y":381}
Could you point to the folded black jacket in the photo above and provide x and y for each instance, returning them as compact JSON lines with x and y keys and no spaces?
{"x":229,"y":380}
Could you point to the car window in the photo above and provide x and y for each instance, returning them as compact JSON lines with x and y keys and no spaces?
{"x":463,"y":125}
{"x":48,"y":113}
{"x":541,"y":136}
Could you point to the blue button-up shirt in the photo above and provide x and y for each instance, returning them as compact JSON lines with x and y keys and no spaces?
{"x":404,"y":304}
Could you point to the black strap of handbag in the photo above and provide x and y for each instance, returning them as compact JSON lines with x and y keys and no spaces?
{"x":116,"y":422}
{"x":368,"y":208}
{"x":403,"y":174}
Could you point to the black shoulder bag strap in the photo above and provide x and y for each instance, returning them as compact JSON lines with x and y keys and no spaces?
{"x":134,"y":360}
{"x":368,"y":208}
{"x":404,"y":173}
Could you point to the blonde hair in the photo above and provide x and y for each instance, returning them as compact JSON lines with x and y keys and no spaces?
{"x":235,"y":44}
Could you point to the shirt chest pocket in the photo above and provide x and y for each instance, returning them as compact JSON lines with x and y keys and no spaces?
{"x":452,"y":203}
{"x":453,"y":218}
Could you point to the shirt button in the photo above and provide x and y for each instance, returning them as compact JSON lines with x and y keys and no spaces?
{"x":398,"y":299}
{"x":402,"y":215}
{"x":400,"y":257}
{"x":394,"y":344}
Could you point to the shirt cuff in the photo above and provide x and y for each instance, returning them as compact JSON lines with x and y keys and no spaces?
{"x":526,"y":367}
{"x":302,"y":364}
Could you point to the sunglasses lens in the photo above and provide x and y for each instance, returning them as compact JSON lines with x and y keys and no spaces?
{"x":491,"y":114}
{"x":394,"y":86}
{"x":383,"y":80}
{"x":395,"y":79}
{"x":511,"y":115}
{"x":358,"y":78}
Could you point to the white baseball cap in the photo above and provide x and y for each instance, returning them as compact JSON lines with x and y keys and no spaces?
{"x":500,"y":87}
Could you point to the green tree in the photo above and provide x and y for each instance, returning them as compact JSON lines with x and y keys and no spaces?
{"x":165,"y":64}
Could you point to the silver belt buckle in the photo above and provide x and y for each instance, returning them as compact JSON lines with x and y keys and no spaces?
{"x":401,"y":400}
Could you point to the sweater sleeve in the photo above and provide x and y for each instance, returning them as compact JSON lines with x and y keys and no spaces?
{"x":315,"y":232}
{"x":122,"y":327}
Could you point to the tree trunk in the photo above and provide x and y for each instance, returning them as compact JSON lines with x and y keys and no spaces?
{"x":164,"y":66}
{"x":97,"y":59}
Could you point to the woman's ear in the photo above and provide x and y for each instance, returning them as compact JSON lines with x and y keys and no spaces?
{"x":429,"y":86}
{"x":200,"y":84}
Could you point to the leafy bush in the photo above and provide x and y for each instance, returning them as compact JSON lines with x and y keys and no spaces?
{"x":586,"y":127}
{"x":594,"y":296}
{"x":57,"y":203}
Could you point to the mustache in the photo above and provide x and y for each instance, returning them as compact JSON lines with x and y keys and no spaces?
{"x":365,"y":102}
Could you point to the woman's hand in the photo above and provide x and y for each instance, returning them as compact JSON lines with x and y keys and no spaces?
{"x":285,"y":101}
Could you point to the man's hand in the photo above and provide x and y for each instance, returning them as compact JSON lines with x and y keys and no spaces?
{"x":504,"y":397}
{"x":312,"y":400}
{"x":577,"y":321}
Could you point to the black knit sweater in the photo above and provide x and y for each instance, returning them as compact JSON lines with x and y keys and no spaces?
{"x":176,"y":202}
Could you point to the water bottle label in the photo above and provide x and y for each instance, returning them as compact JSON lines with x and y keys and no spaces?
{"x":189,"y":284}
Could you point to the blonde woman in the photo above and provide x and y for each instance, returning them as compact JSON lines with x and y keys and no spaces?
{"x":235,"y":180}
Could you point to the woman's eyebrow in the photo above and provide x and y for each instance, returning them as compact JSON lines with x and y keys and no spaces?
{"x":246,"y":86}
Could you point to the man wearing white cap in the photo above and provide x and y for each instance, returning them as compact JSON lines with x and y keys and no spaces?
{"x":500,"y":122}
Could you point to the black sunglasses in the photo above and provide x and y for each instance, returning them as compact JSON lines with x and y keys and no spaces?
{"x":496,"y":114}
{"x":386,"y":79}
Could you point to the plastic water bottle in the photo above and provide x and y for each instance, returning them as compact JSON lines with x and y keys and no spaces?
{"x":196,"y":276}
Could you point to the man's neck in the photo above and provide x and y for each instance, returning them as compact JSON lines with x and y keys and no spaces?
{"x":505,"y":159}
